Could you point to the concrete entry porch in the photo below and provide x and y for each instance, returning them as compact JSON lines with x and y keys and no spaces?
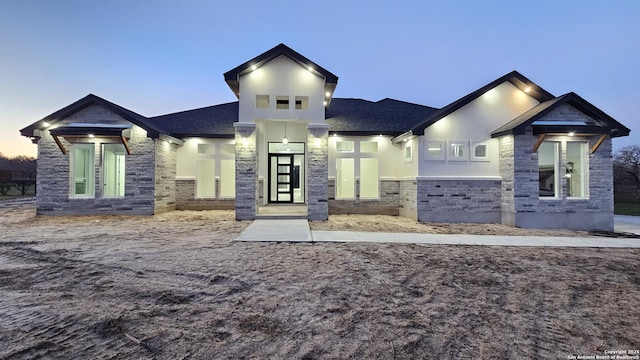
{"x":282,"y":211}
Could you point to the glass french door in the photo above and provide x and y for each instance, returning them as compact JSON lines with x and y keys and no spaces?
{"x":281,"y":178}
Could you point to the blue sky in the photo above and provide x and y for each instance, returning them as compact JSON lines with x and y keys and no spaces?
{"x":157,"y":57}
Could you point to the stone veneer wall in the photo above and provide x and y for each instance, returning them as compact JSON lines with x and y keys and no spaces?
{"x":186,"y":200}
{"x":522,"y":206}
{"x":387,"y":204}
{"x":165,"y":184}
{"x":459,"y":201}
{"x":246,"y":159}
{"x":317,"y":172}
{"x":53,"y":181}
{"x":408,"y":194}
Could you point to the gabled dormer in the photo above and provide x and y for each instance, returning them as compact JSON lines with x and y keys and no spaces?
{"x":281,"y":84}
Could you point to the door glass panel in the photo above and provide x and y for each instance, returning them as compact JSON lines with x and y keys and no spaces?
{"x":284,"y":197}
{"x":284,"y":160}
{"x":283,"y":169}
{"x":283,"y":178}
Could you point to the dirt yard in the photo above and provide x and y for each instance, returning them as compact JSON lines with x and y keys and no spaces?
{"x":175,"y":286}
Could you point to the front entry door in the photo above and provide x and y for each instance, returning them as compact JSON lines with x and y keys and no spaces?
{"x":282,"y":177}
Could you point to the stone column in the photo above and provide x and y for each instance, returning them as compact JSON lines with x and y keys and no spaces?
{"x":317,"y":172}
{"x":246,"y":171}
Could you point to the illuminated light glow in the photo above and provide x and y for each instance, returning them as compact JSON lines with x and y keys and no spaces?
{"x":285,"y":140}
{"x":572,"y":133}
{"x":325,"y":103}
{"x":327,"y":94}
{"x":91,"y":135}
{"x":317,"y":142}
{"x":253,"y":68}
{"x":310,"y":68}
{"x":527,"y":89}
{"x":46,"y":124}
{"x":245,"y":141}
{"x":405,"y":140}
{"x":336,"y":134}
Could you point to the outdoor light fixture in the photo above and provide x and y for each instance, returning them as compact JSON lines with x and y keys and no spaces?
{"x":571,"y":133}
{"x":46,"y":124}
{"x":285,"y":140}
{"x":527,"y":89}
{"x":91,"y":135}
{"x":253,"y":67}
{"x":327,"y":94}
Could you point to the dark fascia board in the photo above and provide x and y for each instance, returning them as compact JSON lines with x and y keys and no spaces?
{"x":577,"y":129}
{"x":514,"y":77}
{"x":207,"y":136}
{"x":136,"y":119}
{"x":519,"y":124}
{"x":365,"y":133}
{"x":232,"y":76}
{"x":83,"y":131}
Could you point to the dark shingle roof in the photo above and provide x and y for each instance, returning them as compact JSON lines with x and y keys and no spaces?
{"x":232,"y":76}
{"x":518,"y":125}
{"x":387,"y":116}
{"x":514,"y":77}
{"x":153,"y":130}
{"x":210,"y":121}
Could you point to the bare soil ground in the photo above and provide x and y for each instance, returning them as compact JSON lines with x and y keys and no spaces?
{"x":175,"y":286}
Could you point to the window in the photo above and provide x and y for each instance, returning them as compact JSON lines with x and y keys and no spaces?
{"x":206,"y":148}
{"x":282,"y":102}
{"x":82,"y":165}
{"x":548,"y":161}
{"x":262,"y":101}
{"x":205,"y":178}
{"x":369,"y":178}
{"x":575,"y":169}
{"x":408,"y":151}
{"x":345,"y":178}
{"x":458,"y":150}
{"x":435,"y":150}
{"x":344,"y":146}
{"x":113,"y":170}
{"x":302,"y":102}
{"x":369,"y":147}
{"x":227,"y":178}
{"x":480,"y":152}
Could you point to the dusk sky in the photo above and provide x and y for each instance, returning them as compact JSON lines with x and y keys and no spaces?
{"x":157,"y":57}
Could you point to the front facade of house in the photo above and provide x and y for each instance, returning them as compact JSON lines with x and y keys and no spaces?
{"x":509,"y":152}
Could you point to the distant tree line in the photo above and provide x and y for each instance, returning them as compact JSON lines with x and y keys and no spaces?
{"x":18,"y":163}
{"x":626,"y":174}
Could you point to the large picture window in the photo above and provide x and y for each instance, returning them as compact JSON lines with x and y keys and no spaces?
{"x":548,"y":160}
{"x":113,"y":170}
{"x":82,"y":165}
{"x":575,"y":169}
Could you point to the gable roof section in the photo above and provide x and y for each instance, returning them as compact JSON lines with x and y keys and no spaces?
{"x":232,"y":76}
{"x":212,"y":121}
{"x":363,"y":117}
{"x":514,"y":77}
{"x":608,"y":124}
{"x":137,"y":119}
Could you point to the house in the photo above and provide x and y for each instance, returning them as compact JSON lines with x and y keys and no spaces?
{"x":509,"y":152}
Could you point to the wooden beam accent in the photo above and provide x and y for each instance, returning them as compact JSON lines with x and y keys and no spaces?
{"x":126,"y":144}
{"x":539,"y":142}
{"x":64,"y":151}
{"x":598,"y":143}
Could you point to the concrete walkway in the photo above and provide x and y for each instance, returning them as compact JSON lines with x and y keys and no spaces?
{"x":297,"y":230}
{"x":277,"y":230}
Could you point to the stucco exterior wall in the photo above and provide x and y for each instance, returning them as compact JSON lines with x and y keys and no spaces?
{"x":54,"y":181}
{"x":281,"y":77}
{"x":473,"y":123}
